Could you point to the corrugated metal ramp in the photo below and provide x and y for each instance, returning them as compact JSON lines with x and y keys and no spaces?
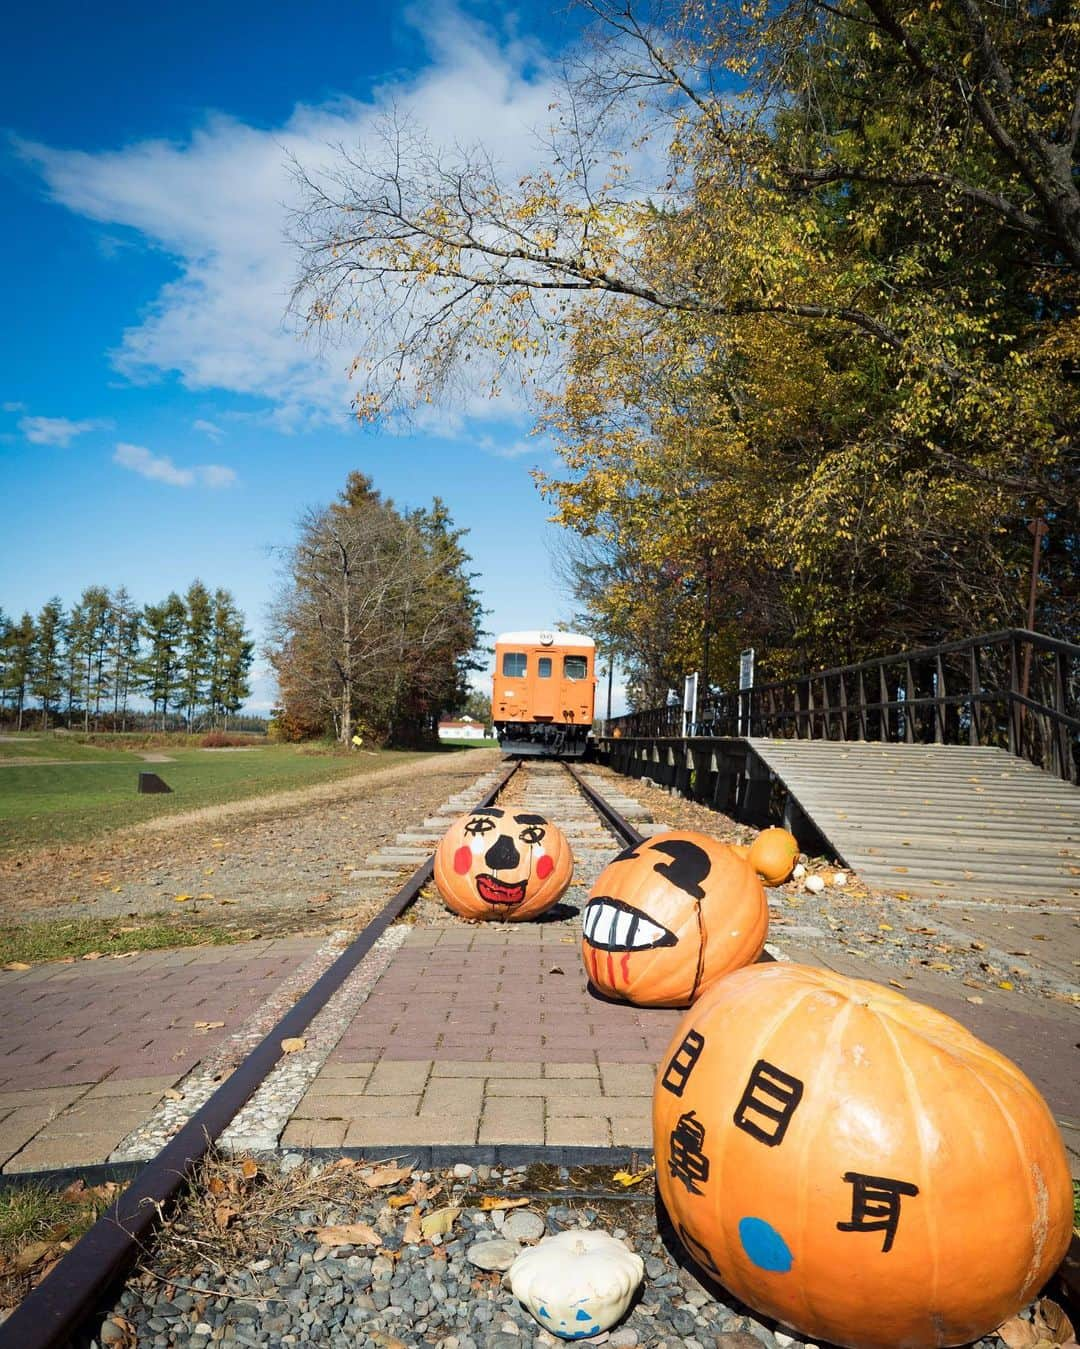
{"x":943,"y":820}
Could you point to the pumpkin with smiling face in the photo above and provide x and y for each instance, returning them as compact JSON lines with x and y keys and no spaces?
{"x":669,"y":917}
{"x":503,"y":864}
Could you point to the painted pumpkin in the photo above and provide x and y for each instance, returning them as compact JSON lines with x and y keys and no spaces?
{"x":501,"y":863}
{"x":669,"y":916}
{"x":773,"y":855}
{"x":577,"y":1283}
{"x":857,"y":1165}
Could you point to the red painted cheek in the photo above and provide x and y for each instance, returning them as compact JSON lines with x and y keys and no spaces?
{"x":463,"y":860}
{"x":545,"y":867}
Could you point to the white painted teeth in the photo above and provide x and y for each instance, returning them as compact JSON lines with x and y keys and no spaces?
{"x":612,"y":925}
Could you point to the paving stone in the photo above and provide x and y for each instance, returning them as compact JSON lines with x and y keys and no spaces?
{"x":308,"y":1133}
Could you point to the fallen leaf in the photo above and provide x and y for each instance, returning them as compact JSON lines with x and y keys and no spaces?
{"x":348,"y":1234}
{"x":249,"y":1168}
{"x":31,"y":1254}
{"x":1006,"y":984}
{"x":224,"y":1214}
{"x":92,"y":955}
{"x":293,"y":1044}
{"x":896,"y":983}
{"x":1018,"y":1333}
{"x":171,"y":1094}
{"x":180,"y":899}
{"x":975,"y":999}
{"x":439,"y":1222}
{"x":413,"y":1233}
{"x":626,"y":1178}
{"x":885,"y":927}
{"x":556,"y":969}
{"x":494,"y":1201}
{"x":387,"y":1175}
{"x":16,"y":965}
{"x":209,"y":1025}
{"x":1051,"y":1319}
{"x":400,"y":1200}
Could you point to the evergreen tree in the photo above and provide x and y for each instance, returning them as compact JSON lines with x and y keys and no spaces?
{"x":18,"y":662}
{"x":47,"y":679}
{"x":196,"y":649}
{"x":124,"y":652}
{"x":160,"y":669}
{"x":232,"y":653}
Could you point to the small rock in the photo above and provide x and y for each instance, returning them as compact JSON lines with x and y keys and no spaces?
{"x":463,"y":1171}
{"x":840,"y":878}
{"x":521,"y":1225}
{"x":290,"y":1162}
{"x":737,"y":1339}
{"x":625,"y":1338}
{"x":496,"y":1254}
{"x":782,"y":1339}
{"x":203,"y":1329}
{"x":111,"y":1333}
{"x":814,"y":884}
{"x":654,"y":1268}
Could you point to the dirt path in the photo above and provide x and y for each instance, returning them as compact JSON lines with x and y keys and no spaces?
{"x":280,"y":862}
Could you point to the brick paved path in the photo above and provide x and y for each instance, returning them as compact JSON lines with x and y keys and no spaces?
{"x":90,"y":1048}
{"x":479,"y":1035}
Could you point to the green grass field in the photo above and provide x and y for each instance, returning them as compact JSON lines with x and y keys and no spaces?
{"x":47,"y":799}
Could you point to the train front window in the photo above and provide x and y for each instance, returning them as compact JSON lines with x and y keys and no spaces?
{"x":543,"y":667}
{"x":513,"y":666}
{"x":575,"y":667}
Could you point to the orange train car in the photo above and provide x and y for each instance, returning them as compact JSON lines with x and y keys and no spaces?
{"x":543,"y":691}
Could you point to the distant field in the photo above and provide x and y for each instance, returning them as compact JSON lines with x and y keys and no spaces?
{"x":46,"y":798}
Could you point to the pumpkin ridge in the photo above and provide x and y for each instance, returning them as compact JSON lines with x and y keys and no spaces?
{"x":830,"y":1053}
{"x":1026,"y":1168}
{"x":915,"y":1104}
{"x":773,"y":1028}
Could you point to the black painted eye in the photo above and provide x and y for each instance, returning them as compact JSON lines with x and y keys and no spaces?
{"x":532,"y":833}
{"x":480,"y":826}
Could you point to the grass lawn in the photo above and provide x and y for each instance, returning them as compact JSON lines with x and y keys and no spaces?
{"x":30,"y":943}
{"x":46,"y":801}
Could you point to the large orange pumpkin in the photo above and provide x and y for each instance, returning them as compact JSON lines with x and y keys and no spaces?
{"x":504,"y":864}
{"x":669,"y":916}
{"x":773,"y":855}
{"x":856,"y":1165}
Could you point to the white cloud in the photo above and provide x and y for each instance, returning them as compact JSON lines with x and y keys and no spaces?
{"x":14,"y":407}
{"x":210,"y":429}
{"x":219,"y":201}
{"x":54,"y":430}
{"x":160,"y":468}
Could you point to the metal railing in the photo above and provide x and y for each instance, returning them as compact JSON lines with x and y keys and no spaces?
{"x":1015,"y":689}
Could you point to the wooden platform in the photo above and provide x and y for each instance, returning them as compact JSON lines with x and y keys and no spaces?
{"x":937,"y":820}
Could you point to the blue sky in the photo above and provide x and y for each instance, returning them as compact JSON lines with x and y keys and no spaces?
{"x":159,"y":419}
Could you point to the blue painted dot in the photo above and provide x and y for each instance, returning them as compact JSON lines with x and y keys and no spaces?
{"x":764,"y":1245}
{"x":582,"y":1315}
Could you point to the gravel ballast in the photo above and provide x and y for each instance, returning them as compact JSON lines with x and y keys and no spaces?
{"x":282,"y":1286}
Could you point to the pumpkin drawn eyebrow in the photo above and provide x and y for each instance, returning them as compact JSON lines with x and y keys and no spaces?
{"x":530,"y":819}
{"x":490,"y":810}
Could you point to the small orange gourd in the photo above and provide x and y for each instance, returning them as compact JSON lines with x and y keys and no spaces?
{"x":773,"y":855}
{"x":506,"y":864}
{"x":857,"y":1165}
{"x":669,"y":917}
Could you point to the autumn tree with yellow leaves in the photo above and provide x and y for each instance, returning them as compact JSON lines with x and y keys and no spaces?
{"x":795,"y":294}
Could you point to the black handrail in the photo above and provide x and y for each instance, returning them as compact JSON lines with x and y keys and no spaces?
{"x":965,"y":691}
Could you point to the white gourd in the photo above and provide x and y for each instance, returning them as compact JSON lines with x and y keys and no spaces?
{"x":578,"y":1283}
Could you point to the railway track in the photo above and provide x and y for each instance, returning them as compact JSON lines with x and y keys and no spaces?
{"x":53,"y":1312}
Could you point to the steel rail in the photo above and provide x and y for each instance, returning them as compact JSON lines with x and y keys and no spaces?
{"x":620,"y":825}
{"x":53,"y":1311}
